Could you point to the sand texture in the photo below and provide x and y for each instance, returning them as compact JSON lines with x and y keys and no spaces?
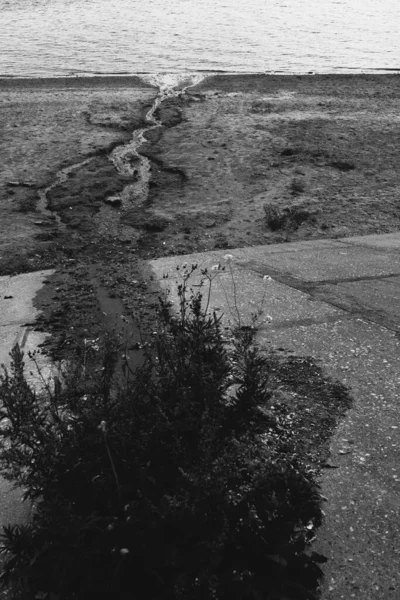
{"x":236,"y":161}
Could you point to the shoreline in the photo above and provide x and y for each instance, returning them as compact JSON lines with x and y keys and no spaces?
{"x":119,"y":81}
{"x":138,"y":79}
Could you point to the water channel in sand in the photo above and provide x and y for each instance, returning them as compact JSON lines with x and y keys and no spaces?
{"x":61,"y":177}
{"x":170,"y":86}
{"x":126,"y":159}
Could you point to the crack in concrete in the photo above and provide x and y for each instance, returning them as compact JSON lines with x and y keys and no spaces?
{"x":317,"y":290}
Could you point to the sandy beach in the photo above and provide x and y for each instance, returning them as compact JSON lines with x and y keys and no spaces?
{"x":237,"y":161}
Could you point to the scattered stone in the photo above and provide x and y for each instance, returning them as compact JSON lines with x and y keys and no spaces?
{"x":113,"y":201}
{"x":43,"y":223}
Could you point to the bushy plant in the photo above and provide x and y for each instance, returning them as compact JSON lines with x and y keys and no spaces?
{"x":160,"y":483}
{"x":287,"y":218}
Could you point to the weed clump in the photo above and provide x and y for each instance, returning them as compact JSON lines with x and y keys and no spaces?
{"x":163,"y":483}
{"x":288,"y":218}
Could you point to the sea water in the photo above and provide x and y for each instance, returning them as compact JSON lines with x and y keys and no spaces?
{"x":42,"y":38}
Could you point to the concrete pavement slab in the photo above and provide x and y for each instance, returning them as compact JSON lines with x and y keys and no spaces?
{"x":361,"y":532}
{"x":17,"y":310}
{"x":314,"y":245}
{"x":312,"y":282}
{"x":327,"y":264}
{"x":17,"y":315}
{"x":388,"y":241}
{"x":283,"y":304}
{"x":375,"y":299}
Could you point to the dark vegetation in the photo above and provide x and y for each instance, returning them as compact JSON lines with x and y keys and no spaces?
{"x":287,"y":217}
{"x":190,"y":478}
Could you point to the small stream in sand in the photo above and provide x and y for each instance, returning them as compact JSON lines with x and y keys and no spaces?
{"x":170,"y":86}
{"x":43,"y":202}
{"x":128,"y":161}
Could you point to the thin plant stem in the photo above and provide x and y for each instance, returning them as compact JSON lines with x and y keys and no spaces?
{"x":234,"y":294}
{"x":261,"y":308}
{"x":210,"y":279}
{"x":112,"y":464}
{"x":45,"y":382}
{"x":227,"y":300}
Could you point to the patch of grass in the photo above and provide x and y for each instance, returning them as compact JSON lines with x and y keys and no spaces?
{"x":13,"y":264}
{"x":287,"y":218}
{"x":275,"y":217}
{"x":34,"y":258}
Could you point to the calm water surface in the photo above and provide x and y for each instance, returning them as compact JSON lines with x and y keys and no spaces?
{"x":62,"y":37}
